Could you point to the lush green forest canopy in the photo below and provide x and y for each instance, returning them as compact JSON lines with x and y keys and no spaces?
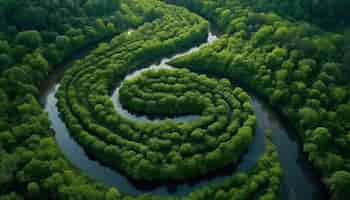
{"x":294,"y":54}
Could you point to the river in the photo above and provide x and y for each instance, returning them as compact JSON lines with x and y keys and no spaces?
{"x":299,"y":180}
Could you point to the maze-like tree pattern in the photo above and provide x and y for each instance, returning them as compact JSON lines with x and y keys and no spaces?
{"x":159,"y":150}
{"x":165,"y":149}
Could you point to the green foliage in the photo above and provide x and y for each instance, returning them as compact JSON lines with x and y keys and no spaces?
{"x":162,"y":150}
{"x":309,"y":116}
{"x":30,"y":39}
{"x":148,"y":93}
{"x":330,"y":14}
{"x":301,"y":69}
{"x":29,"y":158}
{"x":5,"y":61}
{"x":113,"y":194}
{"x":339,"y":184}
{"x":32,"y":15}
{"x":321,"y":137}
{"x":103,"y":7}
{"x":33,"y":189}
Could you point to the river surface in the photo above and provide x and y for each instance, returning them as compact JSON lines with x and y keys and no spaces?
{"x":299,"y":180}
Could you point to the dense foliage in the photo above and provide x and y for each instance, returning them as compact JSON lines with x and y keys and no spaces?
{"x":31,"y":165}
{"x":167,"y":93}
{"x":297,"y":67}
{"x":330,"y":14}
{"x":51,"y":15}
{"x":163,"y":150}
{"x":55,"y":29}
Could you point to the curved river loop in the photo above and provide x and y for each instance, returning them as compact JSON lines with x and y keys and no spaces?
{"x":299,"y":180}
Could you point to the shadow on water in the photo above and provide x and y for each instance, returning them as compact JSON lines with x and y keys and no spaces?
{"x":299,"y":181}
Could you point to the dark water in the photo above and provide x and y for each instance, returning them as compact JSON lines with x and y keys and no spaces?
{"x":299,"y":182}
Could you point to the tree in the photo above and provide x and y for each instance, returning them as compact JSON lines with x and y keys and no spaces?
{"x":19,"y":51}
{"x":36,"y":170}
{"x":37,"y":62}
{"x":283,"y":34}
{"x":338,"y":94}
{"x":5,"y":61}
{"x":78,"y":41}
{"x":321,"y":137}
{"x":11,"y":196}
{"x":15,"y":74}
{"x":111,"y":28}
{"x":30,"y":39}
{"x":186,"y":149}
{"x":225,"y":17}
{"x":53,"y":55}
{"x":80,"y":192}
{"x":339,"y":185}
{"x":113,"y":194}
{"x":324,"y":47}
{"x":31,"y":17}
{"x":343,"y":112}
{"x":335,"y":70}
{"x":282,"y":75}
{"x":277,"y":97}
{"x":8,"y":169}
{"x":263,"y":33}
{"x":112,"y":152}
{"x":4,"y":47}
{"x":33,"y":189}
{"x":332,"y":163}
{"x":277,"y":56}
{"x":100,"y":7}
{"x":7,"y":140}
{"x":63,"y":42}
{"x":100,"y":25}
{"x":308,"y":116}
{"x":53,"y":182}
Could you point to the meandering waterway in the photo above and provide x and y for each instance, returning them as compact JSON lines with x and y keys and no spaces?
{"x":299,"y":181}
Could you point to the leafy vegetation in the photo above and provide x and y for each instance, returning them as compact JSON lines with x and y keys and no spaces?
{"x":31,"y":165}
{"x":298,"y":67}
{"x":162,"y":150}
{"x":55,"y":29}
{"x":331,"y":14}
{"x":327,"y":14}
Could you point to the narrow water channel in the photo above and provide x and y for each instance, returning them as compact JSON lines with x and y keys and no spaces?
{"x":299,"y":182}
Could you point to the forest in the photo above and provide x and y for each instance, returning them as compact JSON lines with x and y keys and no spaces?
{"x":165,"y":93}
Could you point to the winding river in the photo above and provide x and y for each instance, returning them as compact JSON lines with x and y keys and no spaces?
{"x":299,"y":181}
